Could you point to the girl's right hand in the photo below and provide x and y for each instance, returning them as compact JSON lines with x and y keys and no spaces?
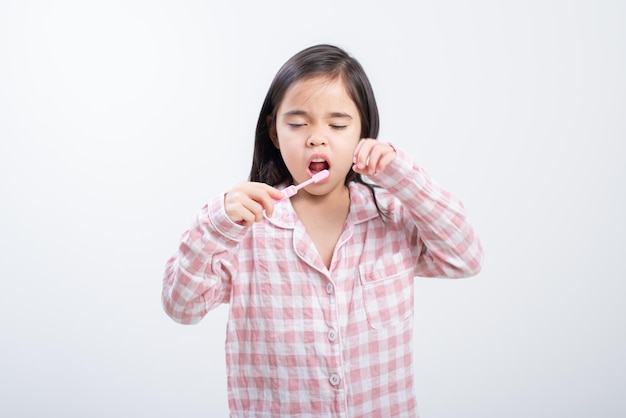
{"x":245,"y":203}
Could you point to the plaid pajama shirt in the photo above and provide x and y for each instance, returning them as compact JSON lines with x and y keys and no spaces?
{"x":306,"y":341}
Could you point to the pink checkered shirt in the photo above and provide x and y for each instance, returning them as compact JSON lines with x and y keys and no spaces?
{"x":306,"y":341}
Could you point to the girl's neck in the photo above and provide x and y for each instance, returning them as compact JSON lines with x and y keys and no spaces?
{"x":337,"y":201}
{"x":323,"y":218}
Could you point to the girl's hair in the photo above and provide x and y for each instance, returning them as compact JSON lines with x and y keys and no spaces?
{"x":319,"y":60}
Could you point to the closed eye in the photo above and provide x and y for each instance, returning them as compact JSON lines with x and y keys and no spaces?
{"x":339,"y":127}
{"x":295,"y":125}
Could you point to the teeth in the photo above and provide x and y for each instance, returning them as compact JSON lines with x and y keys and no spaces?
{"x":318,"y":160}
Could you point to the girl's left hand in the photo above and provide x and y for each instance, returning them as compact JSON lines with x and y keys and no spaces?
{"x":372,"y":156}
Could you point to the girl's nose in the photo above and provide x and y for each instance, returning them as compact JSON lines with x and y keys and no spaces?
{"x":316,"y":139}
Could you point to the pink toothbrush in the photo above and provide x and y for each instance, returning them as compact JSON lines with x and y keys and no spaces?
{"x":293,"y":189}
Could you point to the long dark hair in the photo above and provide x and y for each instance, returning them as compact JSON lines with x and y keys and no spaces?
{"x":327,"y":60}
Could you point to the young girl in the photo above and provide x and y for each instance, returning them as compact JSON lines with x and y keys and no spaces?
{"x":320,"y":285}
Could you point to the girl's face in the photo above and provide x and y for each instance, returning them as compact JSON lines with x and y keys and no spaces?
{"x":317,"y":127}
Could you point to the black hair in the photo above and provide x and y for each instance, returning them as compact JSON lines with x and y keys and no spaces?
{"x":326,"y":60}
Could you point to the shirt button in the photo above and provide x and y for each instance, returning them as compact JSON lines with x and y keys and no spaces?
{"x":332,"y":335}
{"x":330,"y":288}
{"x":334,"y":379}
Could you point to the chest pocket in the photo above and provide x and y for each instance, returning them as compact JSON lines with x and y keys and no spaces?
{"x":387,"y":290}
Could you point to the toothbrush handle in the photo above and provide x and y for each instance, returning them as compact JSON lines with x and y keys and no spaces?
{"x":293,"y":189}
{"x":290,"y":191}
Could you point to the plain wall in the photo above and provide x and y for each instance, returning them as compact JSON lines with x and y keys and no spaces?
{"x":119,"y":119}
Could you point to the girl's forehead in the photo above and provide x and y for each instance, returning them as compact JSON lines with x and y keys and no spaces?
{"x":317,"y":90}
{"x":317,"y":83}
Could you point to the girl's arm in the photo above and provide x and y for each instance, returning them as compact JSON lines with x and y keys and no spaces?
{"x":198,"y":276}
{"x":443,"y":239}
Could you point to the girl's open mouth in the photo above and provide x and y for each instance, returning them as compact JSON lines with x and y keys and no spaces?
{"x":318,"y":164}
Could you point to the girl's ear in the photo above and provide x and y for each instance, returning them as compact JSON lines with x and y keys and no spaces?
{"x":271,"y":129}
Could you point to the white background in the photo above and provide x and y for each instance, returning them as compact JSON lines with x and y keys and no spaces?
{"x":118,"y":119}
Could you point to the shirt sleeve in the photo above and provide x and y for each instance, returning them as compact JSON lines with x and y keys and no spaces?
{"x":198,"y":276}
{"x":444,"y":240}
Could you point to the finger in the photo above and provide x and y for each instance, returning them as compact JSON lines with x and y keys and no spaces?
{"x":241,"y":206}
{"x":240,"y":215}
{"x":385,"y":160}
{"x":265,"y":196}
{"x":253,"y":210}
{"x":273,"y":193}
{"x":233,"y":207}
{"x":380,"y":158}
{"x":374,"y":159}
{"x":368,"y":158}
{"x":362,"y":156}
{"x":268,"y":198}
{"x":247,"y":218}
{"x":357,"y":149}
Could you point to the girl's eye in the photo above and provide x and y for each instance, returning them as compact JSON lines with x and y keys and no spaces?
{"x":338,"y":126}
{"x":295,"y":125}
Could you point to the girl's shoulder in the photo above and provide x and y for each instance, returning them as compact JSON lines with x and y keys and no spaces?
{"x":363,"y":192}
{"x":367,"y":200}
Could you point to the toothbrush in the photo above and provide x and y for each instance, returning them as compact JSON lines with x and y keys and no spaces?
{"x":293,"y":189}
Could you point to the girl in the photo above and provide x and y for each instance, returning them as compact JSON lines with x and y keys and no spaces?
{"x":320,"y":286}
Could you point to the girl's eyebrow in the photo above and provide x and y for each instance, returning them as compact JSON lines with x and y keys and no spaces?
{"x":295,"y":112}
{"x":298,"y":112}
{"x":339,"y":115}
